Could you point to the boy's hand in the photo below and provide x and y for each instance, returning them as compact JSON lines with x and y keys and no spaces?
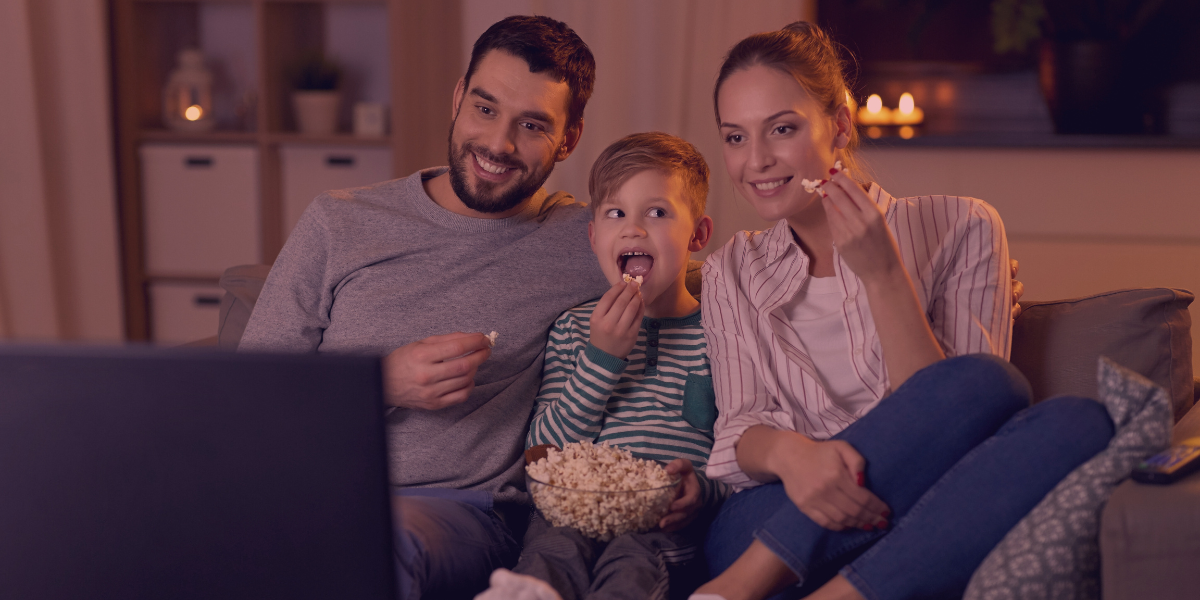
{"x":617,"y":319}
{"x":687,"y":504}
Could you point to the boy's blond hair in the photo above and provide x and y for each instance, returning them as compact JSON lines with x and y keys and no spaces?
{"x":655,"y":150}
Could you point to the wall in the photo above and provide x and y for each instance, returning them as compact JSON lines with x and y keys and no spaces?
{"x":59,"y":277}
{"x":1080,"y":221}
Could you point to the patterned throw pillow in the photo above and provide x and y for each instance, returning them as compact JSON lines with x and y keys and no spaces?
{"x":1053,"y":553}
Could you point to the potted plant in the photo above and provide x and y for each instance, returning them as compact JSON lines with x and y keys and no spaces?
{"x":315,"y":80}
{"x":1093,"y":69}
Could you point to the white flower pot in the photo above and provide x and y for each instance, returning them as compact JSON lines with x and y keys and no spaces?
{"x":316,"y":111}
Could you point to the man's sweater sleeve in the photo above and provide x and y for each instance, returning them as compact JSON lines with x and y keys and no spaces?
{"x":577,"y":381}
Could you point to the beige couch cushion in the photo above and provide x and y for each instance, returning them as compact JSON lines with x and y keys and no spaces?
{"x":1148,"y":330}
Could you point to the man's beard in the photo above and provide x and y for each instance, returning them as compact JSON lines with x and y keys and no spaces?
{"x":490,"y":197}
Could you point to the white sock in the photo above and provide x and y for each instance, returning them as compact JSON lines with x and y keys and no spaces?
{"x":506,"y":585}
{"x":706,"y":597}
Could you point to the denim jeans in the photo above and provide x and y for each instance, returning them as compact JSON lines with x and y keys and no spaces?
{"x":958,"y":459}
{"x":447,"y":543}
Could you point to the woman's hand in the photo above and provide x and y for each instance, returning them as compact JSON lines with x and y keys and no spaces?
{"x":865,"y":242}
{"x":687,"y":504}
{"x":1018,"y":289}
{"x":617,"y":319}
{"x":826,"y":480}
{"x":859,"y":231}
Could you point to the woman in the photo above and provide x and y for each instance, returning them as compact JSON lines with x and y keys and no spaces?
{"x":868,"y":464}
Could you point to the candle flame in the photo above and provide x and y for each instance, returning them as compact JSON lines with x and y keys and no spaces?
{"x":874,"y":103}
{"x":193,"y":112}
{"x":907,"y":132}
{"x":906,"y":103}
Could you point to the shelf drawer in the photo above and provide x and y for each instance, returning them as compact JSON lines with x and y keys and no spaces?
{"x":184,"y":312}
{"x":310,"y":170}
{"x":201,"y":208}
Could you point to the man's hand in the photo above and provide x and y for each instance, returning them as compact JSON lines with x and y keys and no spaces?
{"x":435,"y":372}
{"x":617,"y":319}
{"x":686,"y":505}
{"x":1018,"y":289}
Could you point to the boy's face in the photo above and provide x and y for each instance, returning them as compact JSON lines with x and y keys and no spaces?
{"x":646,"y":228}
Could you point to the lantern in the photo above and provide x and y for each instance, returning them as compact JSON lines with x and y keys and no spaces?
{"x":187,"y":98}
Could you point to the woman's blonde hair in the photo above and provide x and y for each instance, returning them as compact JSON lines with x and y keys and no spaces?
{"x":804,"y":51}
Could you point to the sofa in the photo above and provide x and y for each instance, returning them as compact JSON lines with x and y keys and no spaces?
{"x":1149,"y":535}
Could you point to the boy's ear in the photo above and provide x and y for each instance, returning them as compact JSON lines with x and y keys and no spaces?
{"x":592,"y":234}
{"x":701,"y":235}
{"x":570,"y":140}
{"x":460,"y":90}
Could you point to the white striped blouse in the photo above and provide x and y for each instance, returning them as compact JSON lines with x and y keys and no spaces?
{"x":953,"y":248}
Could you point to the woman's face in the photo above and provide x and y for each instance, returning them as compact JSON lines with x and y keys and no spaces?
{"x":775,"y":134}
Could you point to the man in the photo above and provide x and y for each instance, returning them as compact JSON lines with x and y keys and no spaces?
{"x":393,"y":268}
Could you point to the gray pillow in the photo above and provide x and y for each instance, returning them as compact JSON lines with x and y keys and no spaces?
{"x":1147,"y":330}
{"x":1053,"y":553}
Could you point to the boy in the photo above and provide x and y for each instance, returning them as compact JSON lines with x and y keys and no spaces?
{"x":630,"y":369}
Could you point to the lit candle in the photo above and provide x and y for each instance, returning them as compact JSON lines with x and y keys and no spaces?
{"x":193,"y":112}
{"x":874,"y":113}
{"x":907,"y":113}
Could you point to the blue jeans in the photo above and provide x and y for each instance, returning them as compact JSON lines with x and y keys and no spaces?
{"x":448,"y":542}
{"x":959,"y":460}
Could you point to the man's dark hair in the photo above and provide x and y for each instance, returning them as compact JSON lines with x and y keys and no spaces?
{"x":548,"y":46}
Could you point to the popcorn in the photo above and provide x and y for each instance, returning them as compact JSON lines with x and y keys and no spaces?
{"x":492,"y":339}
{"x":626,"y":277}
{"x":600,"y":490}
{"x":811,"y":186}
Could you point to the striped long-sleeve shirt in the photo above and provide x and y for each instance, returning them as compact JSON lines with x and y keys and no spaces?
{"x":657,"y":402}
{"x":956,"y":253}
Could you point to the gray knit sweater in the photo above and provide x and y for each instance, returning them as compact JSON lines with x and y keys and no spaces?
{"x":367,"y":270}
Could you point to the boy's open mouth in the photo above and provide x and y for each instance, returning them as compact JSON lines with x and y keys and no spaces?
{"x":635,"y":263}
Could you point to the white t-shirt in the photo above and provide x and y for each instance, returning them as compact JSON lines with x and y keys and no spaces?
{"x":816,"y":315}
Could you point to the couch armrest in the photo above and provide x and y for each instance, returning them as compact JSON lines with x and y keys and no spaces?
{"x":242,"y":286}
{"x":1150,"y":541}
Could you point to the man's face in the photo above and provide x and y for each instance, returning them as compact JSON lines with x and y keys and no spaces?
{"x":509,"y":130}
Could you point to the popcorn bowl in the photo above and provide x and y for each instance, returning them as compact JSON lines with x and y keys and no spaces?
{"x":600,"y":514}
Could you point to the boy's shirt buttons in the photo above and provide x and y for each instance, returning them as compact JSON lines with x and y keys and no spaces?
{"x":653,"y":343}
{"x":652,"y":362}
{"x":653,"y":324}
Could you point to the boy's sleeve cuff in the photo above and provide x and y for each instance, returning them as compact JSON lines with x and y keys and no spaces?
{"x":605,"y":360}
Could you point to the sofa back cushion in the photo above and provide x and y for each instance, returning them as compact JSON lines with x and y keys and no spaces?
{"x":1148,"y":330}
{"x":1055,"y":343}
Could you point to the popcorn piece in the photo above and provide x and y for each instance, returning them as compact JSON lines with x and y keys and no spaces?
{"x":811,"y":186}
{"x":626,"y":277}
{"x":600,"y":490}
{"x":492,"y":339}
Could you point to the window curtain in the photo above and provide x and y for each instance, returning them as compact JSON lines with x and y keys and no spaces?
{"x":656,"y":63}
{"x":59,"y":274}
